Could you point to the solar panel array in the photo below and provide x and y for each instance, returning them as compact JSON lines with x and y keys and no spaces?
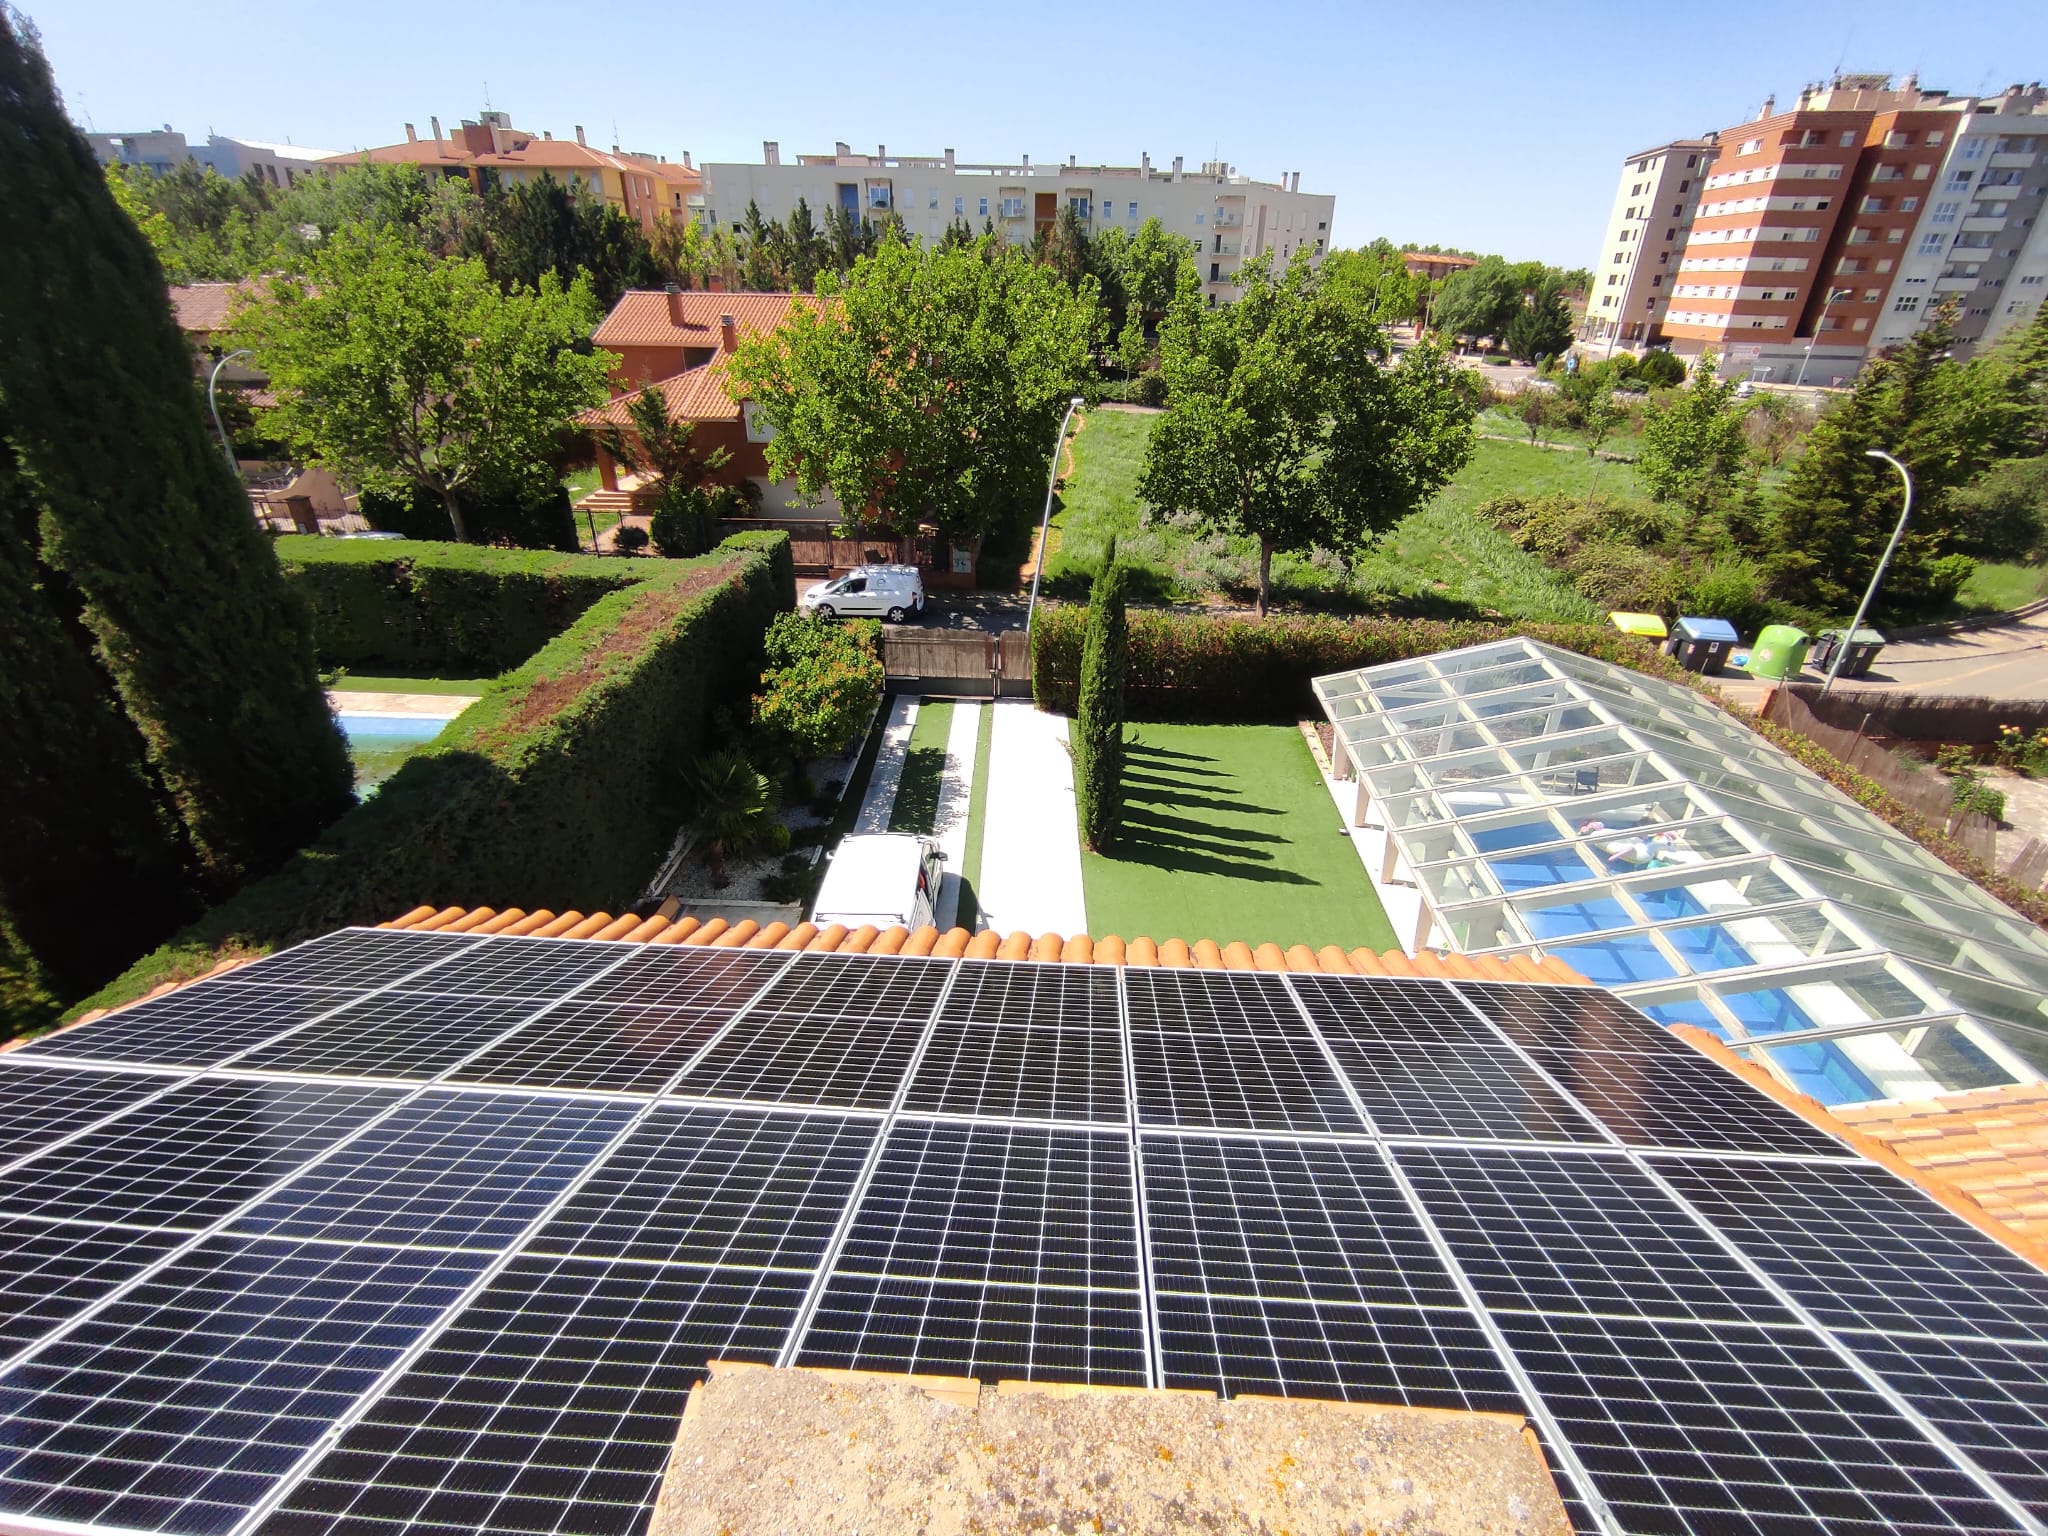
{"x":400,"y":1234}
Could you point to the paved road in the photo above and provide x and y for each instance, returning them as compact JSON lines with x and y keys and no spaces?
{"x":2006,"y":662}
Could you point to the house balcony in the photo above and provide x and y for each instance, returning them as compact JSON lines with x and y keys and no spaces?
{"x":2011,"y":162}
{"x":1985,"y":225}
{"x":1227,"y":221}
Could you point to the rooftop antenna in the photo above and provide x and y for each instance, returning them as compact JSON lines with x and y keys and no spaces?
{"x":1848,"y":37}
{"x":487,"y":95}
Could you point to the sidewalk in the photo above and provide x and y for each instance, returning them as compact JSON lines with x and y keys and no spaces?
{"x":880,"y":801}
{"x":1031,"y":843}
{"x":956,"y":789}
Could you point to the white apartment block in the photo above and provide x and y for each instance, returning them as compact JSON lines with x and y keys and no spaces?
{"x":1230,"y":217}
{"x":1647,"y":231}
{"x":164,"y":150}
{"x":1980,"y":241}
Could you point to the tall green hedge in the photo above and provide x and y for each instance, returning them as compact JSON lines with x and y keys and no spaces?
{"x":427,"y":609}
{"x":211,"y":658}
{"x":1098,"y":736}
{"x":1204,"y":667}
{"x":561,"y":787}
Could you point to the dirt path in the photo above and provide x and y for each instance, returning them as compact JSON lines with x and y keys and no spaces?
{"x":1029,"y":568}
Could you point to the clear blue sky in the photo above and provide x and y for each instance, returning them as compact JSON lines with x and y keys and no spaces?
{"x":1491,"y":126}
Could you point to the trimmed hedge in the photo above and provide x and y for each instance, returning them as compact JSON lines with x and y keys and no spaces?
{"x":1210,"y":668}
{"x":560,"y":787}
{"x":414,"y":608}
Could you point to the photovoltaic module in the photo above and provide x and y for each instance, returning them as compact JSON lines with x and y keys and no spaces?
{"x":397,"y":1233}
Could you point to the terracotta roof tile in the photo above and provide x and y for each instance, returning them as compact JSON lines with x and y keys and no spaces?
{"x":204,"y":307}
{"x":642,"y":317}
{"x":695,"y":394}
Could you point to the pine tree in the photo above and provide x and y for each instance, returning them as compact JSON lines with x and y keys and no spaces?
{"x":209,"y":653}
{"x":1098,"y":738}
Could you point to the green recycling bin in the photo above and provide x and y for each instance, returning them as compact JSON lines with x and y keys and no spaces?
{"x":1859,"y":650}
{"x":1779,"y":652}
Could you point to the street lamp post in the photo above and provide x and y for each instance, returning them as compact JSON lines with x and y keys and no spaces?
{"x":212,"y":379}
{"x":1818,"y":326}
{"x":1045,"y":519}
{"x":1870,"y":594}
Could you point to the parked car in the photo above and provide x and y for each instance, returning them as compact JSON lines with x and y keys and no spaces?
{"x":884,"y":878}
{"x":892,"y":592}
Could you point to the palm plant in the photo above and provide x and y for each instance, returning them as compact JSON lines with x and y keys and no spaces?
{"x":736,"y":805}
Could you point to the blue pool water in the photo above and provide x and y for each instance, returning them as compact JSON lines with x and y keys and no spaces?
{"x":1821,"y":1069}
{"x":389,"y":730}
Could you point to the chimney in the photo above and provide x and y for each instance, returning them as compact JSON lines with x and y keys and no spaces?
{"x":771,"y":152}
{"x":1070,"y":162}
{"x":435,"y":122}
{"x":686,"y":161}
{"x":1176,"y":167}
{"x":548,"y":135}
{"x":841,"y":149}
{"x":949,"y":160}
{"x":1770,"y":106}
{"x":579,"y":135}
{"x":411,"y":137}
{"x":728,"y":336}
{"x":1296,"y":186}
{"x":1145,"y":163}
{"x":675,"y":305}
{"x":1027,"y":165}
{"x":881,"y":154}
{"x":615,"y":149}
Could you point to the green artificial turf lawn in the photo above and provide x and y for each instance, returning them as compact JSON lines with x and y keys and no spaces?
{"x":924,"y":766}
{"x":1229,"y":834}
{"x":348,"y":682}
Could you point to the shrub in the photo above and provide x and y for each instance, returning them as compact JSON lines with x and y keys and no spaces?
{"x":544,"y":522}
{"x":1206,"y":667}
{"x":1098,"y":737}
{"x":518,"y":801}
{"x":824,"y":680}
{"x":1971,"y":793}
{"x":1149,"y":388}
{"x":1659,"y":370}
{"x":681,"y":525}
{"x":1728,"y":587}
{"x":735,"y":809}
{"x":2023,"y":753}
{"x":1616,"y":575}
{"x":425,"y":609}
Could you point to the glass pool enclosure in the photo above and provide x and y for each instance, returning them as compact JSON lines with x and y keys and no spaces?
{"x":1535,"y":799}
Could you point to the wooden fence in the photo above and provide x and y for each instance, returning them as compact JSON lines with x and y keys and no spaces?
{"x":967,"y":662}
{"x":1922,"y":790}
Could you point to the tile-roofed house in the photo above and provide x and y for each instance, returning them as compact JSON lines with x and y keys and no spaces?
{"x":203,"y":308}
{"x":655,"y":333}
{"x":697,"y":394}
{"x":645,"y":186}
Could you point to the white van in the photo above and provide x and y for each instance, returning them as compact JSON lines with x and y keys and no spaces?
{"x":883,"y":878}
{"x":892,"y":592}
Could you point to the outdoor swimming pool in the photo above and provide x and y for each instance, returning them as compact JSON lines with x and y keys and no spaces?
{"x":379,"y":743}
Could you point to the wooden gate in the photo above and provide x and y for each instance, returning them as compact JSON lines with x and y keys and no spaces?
{"x":960,"y":661}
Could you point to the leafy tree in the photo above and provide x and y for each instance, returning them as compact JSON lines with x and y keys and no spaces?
{"x":925,"y":389}
{"x":1151,"y":267}
{"x":1098,"y":738}
{"x":1478,"y":300}
{"x":1287,"y":423}
{"x":154,"y":224}
{"x":1067,"y":248}
{"x":823,"y":681}
{"x":1132,"y":350}
{"x":736,"y":805}
{"x":1601,"y":415}
{"x":850,"y":237}
{"x":656,"y":443}
{"x":396,"y":369}
{"x":1693,"y":441}
{"x":1538,"y":410}
{"x":1542,"y":327}
{"x":543,"y":227}
{"x":1774,"y":426}
{"x":1390,"y":290}
{"x":2003,"y":513}
{"x":139,"y":528}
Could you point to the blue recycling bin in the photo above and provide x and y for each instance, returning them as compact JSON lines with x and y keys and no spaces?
{"x":1701,"y":645}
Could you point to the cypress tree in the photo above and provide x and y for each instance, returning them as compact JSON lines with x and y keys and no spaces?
{"x":209,"y":654}
{"x":80,"y":818}
{"x":1098,"y":743}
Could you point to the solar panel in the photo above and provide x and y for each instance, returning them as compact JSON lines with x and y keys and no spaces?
{"x":612,"y":1047}
{"x":1990,"y":1397}
{"x":464,"y":1170}
{"x":1021,"y":992}
{"x":995,"y":1169}
{"x":357,"y":958}
{"x":1290,"y":1220}
{"x":1022,"y":1071}
{"x":847,"y":1063}
{"x":189,"y":1158}
{"x":39,"y":1105}
{"x":519,"y":968}
{"x":1423,"y":1357}
{"x":1578,"y":1232}
{"x":1194,"y":1068}
{"x":1682,"y":1101}
{"x":549,"y":1406}
{"x":50,"y":1271}
{"x":180,"y":1404}
{"x":1861,"y":1248}
{"x":391,"y":1036}
{"x":1688,"y":1427}
{"x":718,"y":1187}
{"x":712,"y":981}
{"x":197,"y":1026}
{"x":885,"y":988}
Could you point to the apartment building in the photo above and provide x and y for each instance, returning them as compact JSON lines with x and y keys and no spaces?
{"x":1230,"y":217}
{"x":165,"y":149}
{"x":644,"y":185}
{"x":1980,"y":240}
{"x":1636,"y":275}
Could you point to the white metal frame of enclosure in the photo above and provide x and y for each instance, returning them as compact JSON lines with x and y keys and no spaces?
{"x":1535,"y":799}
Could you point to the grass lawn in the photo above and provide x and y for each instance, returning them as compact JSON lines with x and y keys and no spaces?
{"x":470,"y":686}
{"x":924,"y":766}
{"x":1229,"y":834}
{"x":1441,"y":560}
{"x":1994,"y":588}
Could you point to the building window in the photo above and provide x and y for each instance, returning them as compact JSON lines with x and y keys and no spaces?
{"x":1935,"y":137}
{"x":1613,"y":278}
{"x":1750,"y":146}
{"x":1663,"y":257}
{"x":1958,"y":181}
{"x":959,"y":206}
{"x":1199,"y":219}
{"x":1908,"y":204}
{"x":984,"y":207}
{"x":1080,"y":207}
{"x":1635,"y":191}
{"x":1670,"y":234}
{"x":1973,"y":149}
{"x":1906,"y":304}
{"x":1133,"y":213}
{"x":1690,"y":162}
{"x":935,"y":198}
{"x":1848,"y":138}
{"x":1657,"y":281}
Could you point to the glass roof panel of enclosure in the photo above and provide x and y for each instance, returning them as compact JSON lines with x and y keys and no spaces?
{"x":1541,"y":799}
